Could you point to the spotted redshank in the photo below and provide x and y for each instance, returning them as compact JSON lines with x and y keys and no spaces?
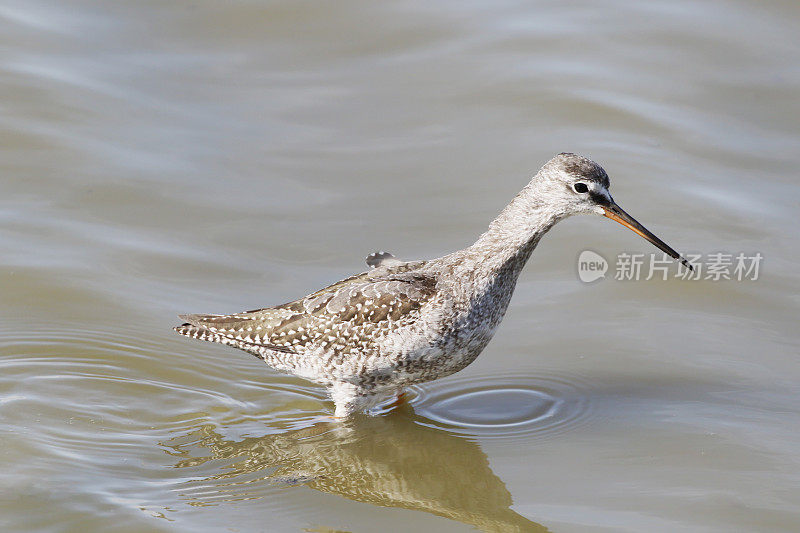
{"x":369,"y":336}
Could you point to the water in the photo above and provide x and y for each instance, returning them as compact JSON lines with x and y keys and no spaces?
{"x":160,"y":158}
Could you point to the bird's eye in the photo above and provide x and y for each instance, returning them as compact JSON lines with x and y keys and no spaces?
{"x":580,"y":187}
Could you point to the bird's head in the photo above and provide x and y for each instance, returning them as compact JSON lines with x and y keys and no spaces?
{"x":574,"y":185}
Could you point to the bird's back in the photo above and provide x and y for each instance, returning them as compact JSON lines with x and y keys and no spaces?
{"x":333,"y":333}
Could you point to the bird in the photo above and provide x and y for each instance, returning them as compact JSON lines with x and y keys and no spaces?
{"x":370,"y":336}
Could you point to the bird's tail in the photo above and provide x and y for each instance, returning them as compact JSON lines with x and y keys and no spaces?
{"x":198,"y":332}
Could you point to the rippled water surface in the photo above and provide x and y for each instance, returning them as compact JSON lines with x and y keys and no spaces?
{"x":191,"y":156}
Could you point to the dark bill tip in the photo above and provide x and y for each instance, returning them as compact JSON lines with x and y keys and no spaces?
{"x":616,"y":213}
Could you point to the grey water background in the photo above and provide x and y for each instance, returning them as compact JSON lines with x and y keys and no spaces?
{"x":193,"y":156}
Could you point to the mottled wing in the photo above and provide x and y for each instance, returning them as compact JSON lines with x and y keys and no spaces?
{"x":344,"y":317}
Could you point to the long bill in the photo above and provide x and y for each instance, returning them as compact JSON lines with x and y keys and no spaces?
{"x":616,"y":213}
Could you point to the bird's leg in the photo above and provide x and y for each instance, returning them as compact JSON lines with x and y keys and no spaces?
{"x":348,"y":399}
{"x":399,"y":400}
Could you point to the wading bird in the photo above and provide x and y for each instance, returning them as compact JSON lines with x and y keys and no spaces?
{"x":369,"y":336}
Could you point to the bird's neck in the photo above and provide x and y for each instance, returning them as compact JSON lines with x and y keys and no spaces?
{"x":505,"y":247}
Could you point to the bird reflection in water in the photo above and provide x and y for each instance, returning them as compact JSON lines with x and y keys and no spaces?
{"x":389,"y":461}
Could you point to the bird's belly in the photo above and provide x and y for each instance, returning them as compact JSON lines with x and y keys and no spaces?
{"x":439,"y":342}
{"x":437,"y":358}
